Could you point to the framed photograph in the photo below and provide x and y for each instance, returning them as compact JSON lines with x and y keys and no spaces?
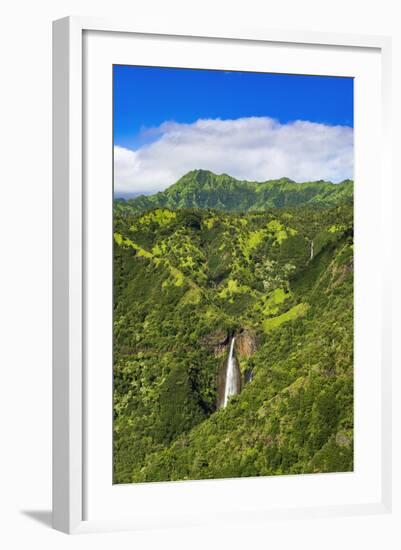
{"x":221,"y":327}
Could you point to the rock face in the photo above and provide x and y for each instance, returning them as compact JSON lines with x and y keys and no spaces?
{"x":217,"y":342}
{"x":245,"y":343}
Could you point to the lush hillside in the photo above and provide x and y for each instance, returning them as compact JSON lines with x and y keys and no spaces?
{"x":188,"y":279}
{"x":203,"y":189}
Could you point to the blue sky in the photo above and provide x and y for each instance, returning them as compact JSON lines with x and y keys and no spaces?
{"x":157,"y":107}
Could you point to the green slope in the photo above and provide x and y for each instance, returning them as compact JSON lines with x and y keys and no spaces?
{"x":185,"y":280}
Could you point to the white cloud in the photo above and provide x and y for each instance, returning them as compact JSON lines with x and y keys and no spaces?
{"x":255,"y":148}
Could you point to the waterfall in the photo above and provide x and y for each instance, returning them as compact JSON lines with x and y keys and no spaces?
{"x":311,"y":251}
{"x":231,"y":383}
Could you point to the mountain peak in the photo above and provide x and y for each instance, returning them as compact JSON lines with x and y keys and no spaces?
{"x":283,"y":180}
{"x":199,"y":172}
{"x":198,"y":176}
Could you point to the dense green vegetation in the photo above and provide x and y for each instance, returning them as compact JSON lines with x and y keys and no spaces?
{"x":186,"y":280}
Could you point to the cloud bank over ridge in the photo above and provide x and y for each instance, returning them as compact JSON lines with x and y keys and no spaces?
{"x":254,"y":148}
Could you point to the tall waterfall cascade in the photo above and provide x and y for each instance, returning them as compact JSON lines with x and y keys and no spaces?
{"x":311,"y":251}
{"x":231,"y":383}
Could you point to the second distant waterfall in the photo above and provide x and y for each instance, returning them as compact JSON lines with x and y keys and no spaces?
{"x":232,"y":382}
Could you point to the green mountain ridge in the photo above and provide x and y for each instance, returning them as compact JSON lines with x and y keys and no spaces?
{"x":204,"y":189}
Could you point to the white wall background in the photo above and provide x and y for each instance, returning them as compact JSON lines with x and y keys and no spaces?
{"x":25,"y":217}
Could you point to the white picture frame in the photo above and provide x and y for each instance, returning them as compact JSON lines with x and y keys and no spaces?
{"x":70,"y":286}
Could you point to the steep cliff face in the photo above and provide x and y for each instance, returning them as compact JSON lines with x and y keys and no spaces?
{"x":246,"y":343}
{"x":217,"y":342}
